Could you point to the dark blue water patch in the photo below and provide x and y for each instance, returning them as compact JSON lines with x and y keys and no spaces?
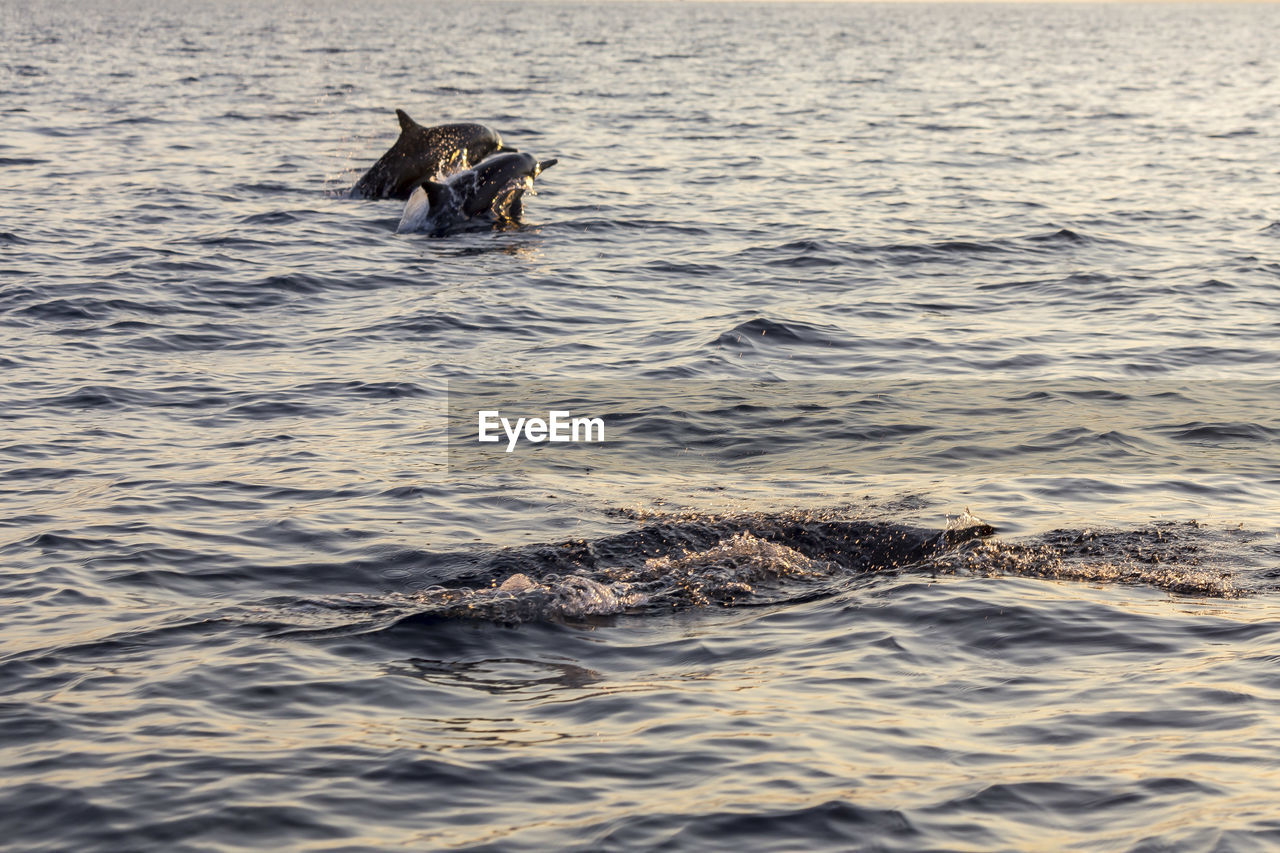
{"x":120,"y":258}
{"x":1061,"y":289}
{"x":690,"y":270}
{"x":372,"y":390}
{"x":71,"y":817}
{"x":151,"y":565}
{"x":448,"y":90}
{"x":440,"y":324}
{"x":182,"y":265}
{"x":269,"y":409}
{"x":263,"y":188}
{"x":291,"y":283}
{"x":1220,"y":434}
{"x":147,"y":119}
{"x":801,"y":254}
{"x":648,"y":226}
{"x":53,"y":543}
{"x":97,"y":309}
{"x":1201,"y":356}
{"x":1033,"y":801}
{"x":837,"y":824}
{"x":906,"y":253}
{"x":229,"y":241}
{"x":238,"y":405}
{"x":1212,"y":285}
{"x":255,"y":441}
{"x":402,"y":493}
{"x":60,"y":310}
{"x":100,"y":397}
{"x":192,"y":341}
{"x":21,"y":474}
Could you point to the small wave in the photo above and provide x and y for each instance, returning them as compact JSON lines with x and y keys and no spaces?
{"x":945,"y":249}
{"x":274,"y":217}
{"x":101,"y":397}
{"x":140,"y":120}
{"x":200,"y":342}
{"x":1061,"y":236}
{"x":267,"y":188}
{"x":373,"y":390}
{"x":801,"y":254}
{"x":1218,"y":434}
{"x":762,"y":331}
{"x":94,"y":308}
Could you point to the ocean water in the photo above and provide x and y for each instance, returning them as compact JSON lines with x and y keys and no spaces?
{"x":937,"y":350}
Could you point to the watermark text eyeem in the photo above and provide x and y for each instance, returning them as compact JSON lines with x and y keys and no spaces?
{"x":558,"y":426}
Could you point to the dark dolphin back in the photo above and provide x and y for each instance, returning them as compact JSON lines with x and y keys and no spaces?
{"x":420,"y":153}
{"x":475,"y":141}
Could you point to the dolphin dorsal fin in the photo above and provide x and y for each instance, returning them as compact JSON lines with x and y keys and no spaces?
{"x":405,"y":121}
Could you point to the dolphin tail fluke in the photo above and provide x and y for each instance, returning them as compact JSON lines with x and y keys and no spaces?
{"x":416,"y":211}
{"x":424,"y":203}
{"x":544,"y":165}
{"x":405,"y":121}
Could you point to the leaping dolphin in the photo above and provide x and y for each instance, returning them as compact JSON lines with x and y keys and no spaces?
{"x":422,"y":153}
{"x":495,"y":189}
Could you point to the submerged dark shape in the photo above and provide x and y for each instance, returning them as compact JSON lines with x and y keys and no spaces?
{"x":684,"y":560}
{"x":494,"y":190}
{"x":851,"y":545}
{"x":677,"y":562}
{"x":421,"y":153}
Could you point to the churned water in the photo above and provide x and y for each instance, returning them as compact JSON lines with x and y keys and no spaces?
{"x":937,"y":350}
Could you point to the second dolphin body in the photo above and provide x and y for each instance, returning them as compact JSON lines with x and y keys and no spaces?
{"x":495,"y":189}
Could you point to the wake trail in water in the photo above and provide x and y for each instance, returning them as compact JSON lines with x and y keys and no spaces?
{"x":692,"y":560}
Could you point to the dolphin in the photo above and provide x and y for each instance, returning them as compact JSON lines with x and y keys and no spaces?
{"x":495,"y":190}
{"x":426,"y":152}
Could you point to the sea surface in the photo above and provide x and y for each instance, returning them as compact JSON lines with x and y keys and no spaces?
{"x":938,"y":350}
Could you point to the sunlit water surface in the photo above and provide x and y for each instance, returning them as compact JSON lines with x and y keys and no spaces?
{"x":1031,"y":255}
